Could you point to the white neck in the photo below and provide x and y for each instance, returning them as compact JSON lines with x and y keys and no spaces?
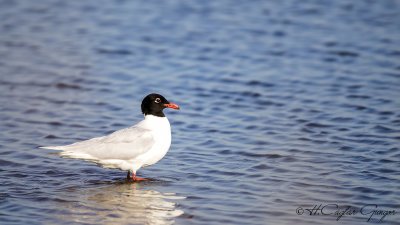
{"x":157,"y":123}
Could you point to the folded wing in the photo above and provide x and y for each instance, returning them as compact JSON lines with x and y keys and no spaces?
{"x":125,"y":144}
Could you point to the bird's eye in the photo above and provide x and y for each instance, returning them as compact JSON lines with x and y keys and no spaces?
{"x":158,"y":100}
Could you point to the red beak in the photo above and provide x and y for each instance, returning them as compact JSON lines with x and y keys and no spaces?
{"x":172,"y":106}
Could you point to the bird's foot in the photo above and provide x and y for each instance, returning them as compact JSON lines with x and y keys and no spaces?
{"x":139,"y":179}
{"x":134,"y":178}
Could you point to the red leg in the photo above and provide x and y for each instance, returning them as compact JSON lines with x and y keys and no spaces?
{"x":128,"y":175}
{"x":137,"y":178}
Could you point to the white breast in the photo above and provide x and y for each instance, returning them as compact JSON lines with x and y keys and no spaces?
{"x":161,"y":129}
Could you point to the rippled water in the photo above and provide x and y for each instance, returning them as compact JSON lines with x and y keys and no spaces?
{"x":285,"y":104}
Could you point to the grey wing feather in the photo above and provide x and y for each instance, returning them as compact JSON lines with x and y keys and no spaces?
{"x":124,"y":144}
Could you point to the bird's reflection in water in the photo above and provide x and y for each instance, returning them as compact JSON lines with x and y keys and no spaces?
{"x":120,"y":203}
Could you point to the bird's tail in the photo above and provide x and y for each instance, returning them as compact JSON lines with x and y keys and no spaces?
{"x":53,"y":147}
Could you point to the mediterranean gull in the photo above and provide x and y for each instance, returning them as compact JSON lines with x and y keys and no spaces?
{"x":131,"y":148}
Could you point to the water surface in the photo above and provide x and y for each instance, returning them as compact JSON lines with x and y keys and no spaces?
{"x":285,"y":104}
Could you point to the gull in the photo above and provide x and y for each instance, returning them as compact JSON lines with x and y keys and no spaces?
{"x":132,"y":148}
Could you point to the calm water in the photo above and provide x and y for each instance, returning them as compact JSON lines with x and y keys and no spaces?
{"x":285,"y":104}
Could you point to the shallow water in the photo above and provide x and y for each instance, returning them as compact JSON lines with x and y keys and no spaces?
{"x":285,"y":104}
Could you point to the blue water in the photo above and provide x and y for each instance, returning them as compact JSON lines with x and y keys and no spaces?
{"x":287,"y":106}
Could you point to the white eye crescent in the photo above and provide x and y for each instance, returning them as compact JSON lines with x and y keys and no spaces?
{"x":158,"y":100}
